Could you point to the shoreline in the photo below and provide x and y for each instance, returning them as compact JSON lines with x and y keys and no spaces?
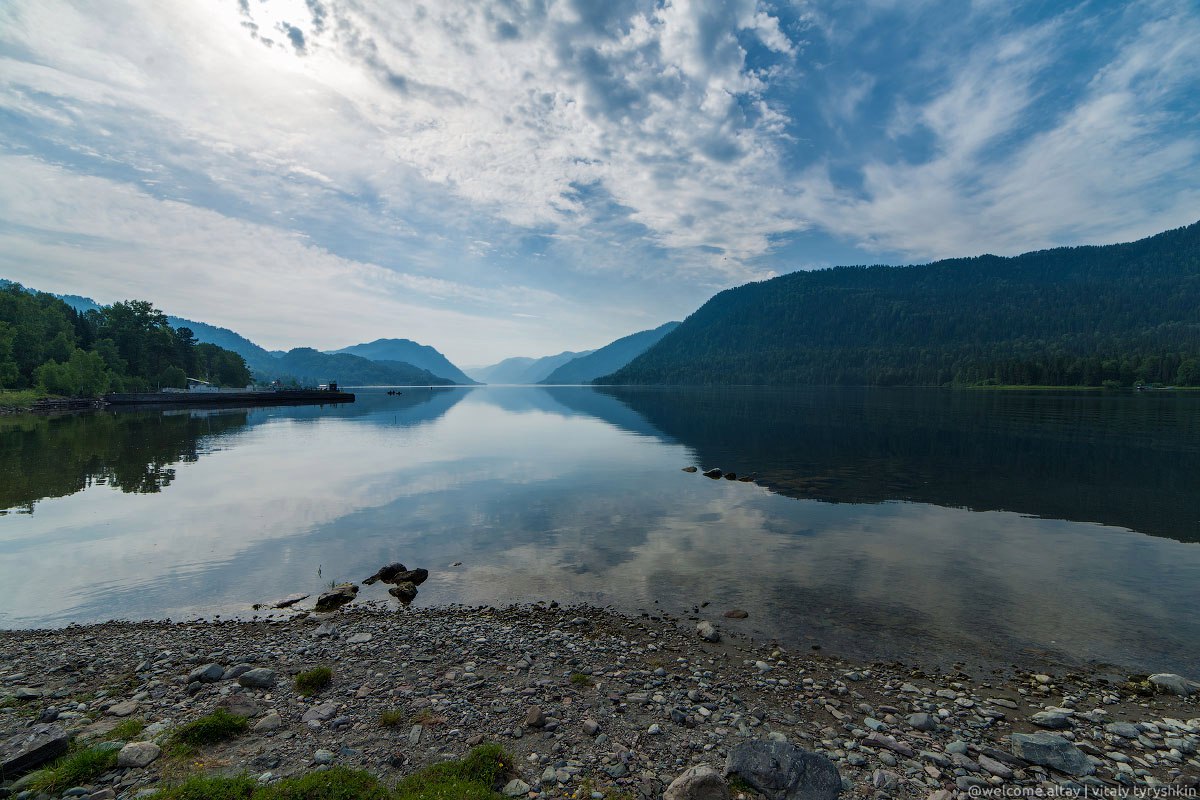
{"x":625,"y":703}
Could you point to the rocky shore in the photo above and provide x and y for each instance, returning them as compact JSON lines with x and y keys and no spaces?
{"x":588,"y":702}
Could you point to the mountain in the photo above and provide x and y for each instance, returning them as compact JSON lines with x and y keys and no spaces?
{"x":1088,"y":316}
{"x":256,"y":357}
{"x":419,"y":355}
{"x":521,"y":370}
{"x":607,"y":359}
{"x":309,"y":365}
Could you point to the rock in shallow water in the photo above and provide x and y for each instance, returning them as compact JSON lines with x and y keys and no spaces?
{"x":337,"y":597}
{"x":783,"y":771}
{"x":708,"y":632}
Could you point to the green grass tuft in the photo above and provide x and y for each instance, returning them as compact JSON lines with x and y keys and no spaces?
{"x":203,"y":787}
{"x":218,"y":726}
{"x":391,"y":718}
{"x":74,"y":769}
{"x":579,"y":679}
{"x":126,"y":730}
{"x":313,"y":681}
{"x":335,"y":783}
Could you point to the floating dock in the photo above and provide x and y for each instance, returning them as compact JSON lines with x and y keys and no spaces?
{"x":279,"y":397}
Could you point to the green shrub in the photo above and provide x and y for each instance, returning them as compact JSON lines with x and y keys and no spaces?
{"x":314,"y":680}
{"x":218,"y":726}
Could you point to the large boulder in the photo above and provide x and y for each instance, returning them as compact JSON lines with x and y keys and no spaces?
{"x":1051,"y":750}
{"x":138,"y":754}
{"x":257,"y":678}
{"x":337,"y":597}
{"x":386,"y":573}
{"x":783,"y":771}
{"x":698,"y":783}
{"x":32,"y":748}
{"x":1171,"y":683}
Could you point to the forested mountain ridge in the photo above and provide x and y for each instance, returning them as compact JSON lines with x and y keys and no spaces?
{"x":1069,"y":316}
{"x":522,"y":370}
{"x":48,"y":346}
{"x":611,"y":357}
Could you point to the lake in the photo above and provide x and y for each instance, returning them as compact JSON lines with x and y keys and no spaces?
{"x":919,"y":525}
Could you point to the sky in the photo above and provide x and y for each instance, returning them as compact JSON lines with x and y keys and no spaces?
{"x":522,"y":177}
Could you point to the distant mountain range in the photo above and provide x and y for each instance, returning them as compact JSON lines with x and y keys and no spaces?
{"x":348,"y":366}
{"x":1113,"y":314}
{"x":408,"y":351}
{"x":608,"y":359}
{"x":521,"y":370}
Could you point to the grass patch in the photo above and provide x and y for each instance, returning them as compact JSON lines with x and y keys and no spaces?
{"x":22,"y":399}
{"x":74,"y":769}
{"x":579,"y":679}
{"x":126,"y":730}
{"x":427,"y":719}
{"x":738,"y":785}
{"x":314,"y":680}
{"x":391,"y":718}
{"x":473,"y":778}
{"x":218,"y":726}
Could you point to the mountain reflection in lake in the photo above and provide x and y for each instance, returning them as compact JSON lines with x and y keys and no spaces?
{"x":915,"y":524}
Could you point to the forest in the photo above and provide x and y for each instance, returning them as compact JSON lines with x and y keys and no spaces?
{"x":1112,"y":315}
{"x":49,"y":347}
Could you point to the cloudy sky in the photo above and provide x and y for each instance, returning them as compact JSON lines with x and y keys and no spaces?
{"x":521,"y":177}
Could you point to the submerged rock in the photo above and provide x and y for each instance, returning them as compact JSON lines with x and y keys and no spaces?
{"x":386,"y":573}
{"x":337,"y":597}
{"x":405,"y":592}
{"x":783,"y":771}
{"x":691,"y":469}
{"x":736,"y":613}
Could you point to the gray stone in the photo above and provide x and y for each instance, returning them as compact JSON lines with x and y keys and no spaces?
{"x":31,"y":748}
{"x":591,"y":727}
{"x":236,"y":671}
{"x":783,"y":771}
{"x":922,"y":722}
{"x":323,"y":757}
{"x":206,"y":673}
{"x":270,"y":722}
{"x":1049,"y":750}
{"x":534,"y":718}
{"x":414,"y":735}
{"x":320,"y":713}
{"x":25,"y":693}
{"x":957,"y":747}
{"x":515,"y":788}
{"x":124,"y":708}
{"x":359,"y":638}
{"x":1055,"y":720}
{"x":1172,"y":684}
{"x":884,"y":780}
{"x":1002,"y":771}
{"x":708,"y":632}
{"x":138,"y":754}
{"x":698,"y":783}
{"x":239,"y":705}
{"x":258,"y":678}
{"x":1126,"y":730}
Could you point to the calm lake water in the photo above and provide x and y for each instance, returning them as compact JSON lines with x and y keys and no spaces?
{"x":911,"y":524}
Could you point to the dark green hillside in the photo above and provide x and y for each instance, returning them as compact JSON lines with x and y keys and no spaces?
{"x":1070,"y":316}
{"x":48,"y":346}
{"x":410,"y":352}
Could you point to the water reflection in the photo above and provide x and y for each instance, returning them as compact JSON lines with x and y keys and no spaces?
{"x":1129,"y":461}
{"x":574,"y":494}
